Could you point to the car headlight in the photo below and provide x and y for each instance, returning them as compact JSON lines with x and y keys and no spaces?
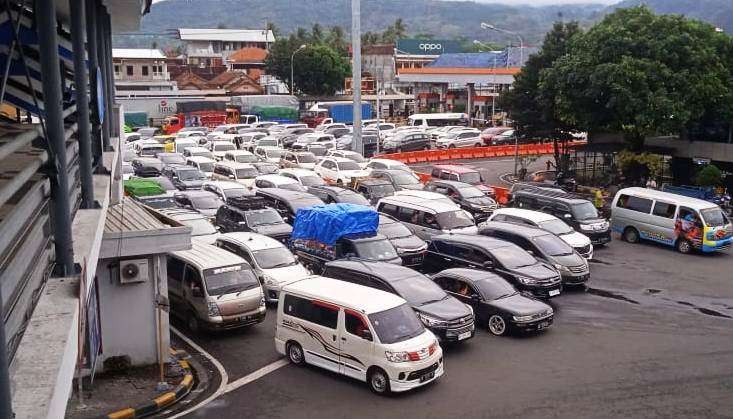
{"x":262,"y":301}
{"x":213,"y":309}
{"x":470,"y":309}
{"x":430,"y":321}
{"x":525,"y":280}
{"x":586,"y":227}
{"x":522,"y":318}
{"x":397,"y":356}
{"x":605,"y":225}
{"x":269,"y":281}
{"x":559,"y":267}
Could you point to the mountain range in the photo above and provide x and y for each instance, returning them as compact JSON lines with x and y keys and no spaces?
{"x":434,"y":18}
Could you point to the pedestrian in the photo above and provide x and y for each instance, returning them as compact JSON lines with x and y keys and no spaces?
{"x":598,"y":198}
{"x":651,"y":183}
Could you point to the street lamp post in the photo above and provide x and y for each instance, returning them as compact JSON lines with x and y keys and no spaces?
{"x":521,"y":41}
{"x":292,"y":57}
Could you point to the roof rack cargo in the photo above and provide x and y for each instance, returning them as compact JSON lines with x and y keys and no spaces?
{"x":247,"y":203}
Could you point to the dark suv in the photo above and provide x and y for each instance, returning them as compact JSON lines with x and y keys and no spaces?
{"x":184,"y":177}
{"x":337,"y":194}
{"x":249,"y":213}
{"x":508,"y":260}
{"x":575,"y":210}
{"x":468,"y":197}
{"x":445,"y":316}
{"x":287,"y":202}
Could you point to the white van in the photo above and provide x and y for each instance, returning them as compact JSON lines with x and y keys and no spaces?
{"x":361,"y":332}
{"x":180,"y":144}
{"x":202,"y":163}
{"x":213,"y":289}
{"x":426,"y":217}
{"x":434,"y":120}
{"x":675,"y":220}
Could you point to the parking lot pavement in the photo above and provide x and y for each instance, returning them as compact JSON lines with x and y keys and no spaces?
{"x":649,"y":339}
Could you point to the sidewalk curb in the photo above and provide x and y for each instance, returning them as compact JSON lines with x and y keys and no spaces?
{"x":161,"y":401}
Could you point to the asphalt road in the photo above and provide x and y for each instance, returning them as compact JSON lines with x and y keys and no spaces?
{"x":652,"y":336}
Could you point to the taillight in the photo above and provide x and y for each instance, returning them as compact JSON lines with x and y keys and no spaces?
{"x":414,"y":356}
{"x":433,"y":348}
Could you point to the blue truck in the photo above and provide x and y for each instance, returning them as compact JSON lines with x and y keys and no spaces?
{"x":342,"y":112}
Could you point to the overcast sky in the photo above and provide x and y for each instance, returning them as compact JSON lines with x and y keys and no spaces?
{"x":546,"y":2}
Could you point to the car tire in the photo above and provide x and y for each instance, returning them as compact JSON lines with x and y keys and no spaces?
{"x":378,"y":381}
{"x":684,"y":246}
{"x":497,"y":325}
{"x":631,"y":235}
{"x":295,"y":353}
{"x":193,"y":323}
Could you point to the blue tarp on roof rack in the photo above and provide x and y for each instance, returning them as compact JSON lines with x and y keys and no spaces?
{"x":327,"y":223}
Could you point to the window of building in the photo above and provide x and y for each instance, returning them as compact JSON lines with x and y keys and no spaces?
{"x":145,"y":70}
{"x":117,"y":70}
{"x":157,"y":70}
{"x":130,"y":70}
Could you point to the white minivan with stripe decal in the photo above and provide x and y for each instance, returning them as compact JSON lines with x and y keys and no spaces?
{"x":361,"y":332}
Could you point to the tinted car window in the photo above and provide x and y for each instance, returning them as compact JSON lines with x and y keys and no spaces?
{"x":311,"y":311}
{"x":635,"y":203}
{"x":418,"y":290}
{"x":396,"y":324}
{"x":662,"y":209}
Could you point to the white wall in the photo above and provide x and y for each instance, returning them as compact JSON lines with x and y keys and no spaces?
{"x":128,"y":313}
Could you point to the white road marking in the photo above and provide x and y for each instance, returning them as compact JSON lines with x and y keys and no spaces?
{"x":256,"y":375}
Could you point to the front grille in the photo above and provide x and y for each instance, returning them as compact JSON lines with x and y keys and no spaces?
{"x":540,"y":315}
{"x":549,"y":281}
{"x":466,"y":320}
{"x":577,"y":269}
{"x":451,"y":333}
{"x":419,"y":373}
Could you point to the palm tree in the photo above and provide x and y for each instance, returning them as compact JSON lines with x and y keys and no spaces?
{"x":316,"y":34}
{"x":337,"y":39}
{"x":399,"y":28}
{"x":272,"y":27}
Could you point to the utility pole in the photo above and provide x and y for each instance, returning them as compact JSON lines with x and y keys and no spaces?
{"x":358,"y":146}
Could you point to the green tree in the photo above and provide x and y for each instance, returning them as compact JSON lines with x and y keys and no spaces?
{"x":337,"y":39}
{"x":709,"y":175}
{"x":318,"y":69}
{"x":642,"y":74}
{"x":270,"y":26}
{"x":530,"y":104}
{"x":317,"y":35}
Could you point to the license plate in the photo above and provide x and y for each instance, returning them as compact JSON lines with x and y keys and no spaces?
{"x":554,"y":293}
{"x":428,"y":376}
{"x":464,"y":335}
{"x":542,"y":325}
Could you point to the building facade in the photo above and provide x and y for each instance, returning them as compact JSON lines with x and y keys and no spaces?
{"x":141,"y":69}
{"x":212,"y":47}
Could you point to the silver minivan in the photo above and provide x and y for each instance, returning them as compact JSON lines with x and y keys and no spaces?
{"x":213,"y":289}
{"x":427,"y":218}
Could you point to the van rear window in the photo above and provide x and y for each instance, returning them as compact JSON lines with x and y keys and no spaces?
{"x":635,"y":203}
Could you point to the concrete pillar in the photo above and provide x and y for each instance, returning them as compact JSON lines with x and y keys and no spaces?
{"x":76,"y":8}
{"x":470,"y":89}
{"x":53,"y":106}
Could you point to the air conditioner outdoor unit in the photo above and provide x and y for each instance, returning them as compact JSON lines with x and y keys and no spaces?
{"x":133,"y":271}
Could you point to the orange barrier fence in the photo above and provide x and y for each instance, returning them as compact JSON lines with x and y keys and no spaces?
{"x":438,"y":155}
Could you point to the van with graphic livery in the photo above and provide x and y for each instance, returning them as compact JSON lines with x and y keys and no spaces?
{"x":361,"y":332}
{"x":675,"y":220}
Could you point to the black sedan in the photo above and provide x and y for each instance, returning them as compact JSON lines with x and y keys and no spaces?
{"x":497,"y":305}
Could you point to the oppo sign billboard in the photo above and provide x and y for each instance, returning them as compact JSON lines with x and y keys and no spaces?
{"x":427,"y":46}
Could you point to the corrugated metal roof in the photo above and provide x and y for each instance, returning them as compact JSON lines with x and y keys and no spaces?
{"x":230,"y":35}
{"x":142,"y":53}
{"x":208,"y":256}
{"x":130,"y":216}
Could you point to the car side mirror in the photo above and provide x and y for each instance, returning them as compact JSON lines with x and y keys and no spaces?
{"x":366,"y":334}
{"x":488,"y":264}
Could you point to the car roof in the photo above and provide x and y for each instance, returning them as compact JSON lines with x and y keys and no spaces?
{"x":225,"y":184}
{"x":201,"y":159}
{"x":298,"y":172}
{"x":560,"y":195}
{"x":483,"y":241}
{"x":522,"y":230}
{"x":454,"y":168}
{"x":277,"y":179}
{"x":338,"y":190}
{"x":197,"y":148}
{"x":472,"y":275}
{"x":693,"y":203}
{"x":196,"y":192}
{"x":235,"y":164}
{"x":387,"y":271}
{"x":429,"y":205}
{"x":251,"y":241}
{"x":208,"y":256}
{"x":535,"y":216}
{"x":358,"y":297}
{"x":338,"y":159}
{"x":181,"y":214}
{"x":454,"y":183}
{"x":287,"y":194}
{"x":240,"y":152}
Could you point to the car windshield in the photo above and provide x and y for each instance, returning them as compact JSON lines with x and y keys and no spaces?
{"x":405,"y":178}
{"x":495,"y":288}
{"x":318,"y":151}
{"x":267,"y":169}
{"x":375,"y":250}
{"x":312,"y":180}
{"x":307,"y":158}
{"x":293,"y":187}
{"x":158,"y":202}
{"x":352,"y":198}
{"x":552,"y":245}
{"x":418,"y":290}
{"x":348,"y":165}
{"x":224,"y":147}
{"x":394,"y":230}
{"x":584,"y":211}
{"x":472,"y":178}
{"x":396,"y":324}
{"x":267,"y":143}
{"x":714,"y":217}
{"x":513,"y":257}
{"x":247,"y":173}
{"x":468,"y":193}
{"x":380,"y":191}
{"x":205,"y":202}
{"x":206,"y":167}
{"x":274,"y":154}
{"x":278,"y":257}
{"x":454,"y":219}
{"x":200,"y":227}
{"x":230,"y":279}
{"x":172,"y":159}
{"x":245,"y":158}
{"x":190,"y":175}
{"x":263,"y":217}
{"x":235,"y":192}
{"x":556,"y":226}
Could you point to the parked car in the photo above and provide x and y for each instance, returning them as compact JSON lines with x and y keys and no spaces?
{"x":280,"y":182}
{"x":272,"y":262}
{"x":507,"y":259}
{"x":305,"y":177}
{"x":250,"y":213}
{"x":240,"y":156}
{"x":427,"y":218}
{"x":507,"y":137}
{"x":543,"y":245}
{"x":337,"y":195}
{"x":184,"y":177}
{"x":202,"y":231}
{"x":288,"y":202}
{"x":578,"y":241}
{"x":488,"y":135}
{"x":449,"y":319}
{"x":226,"y":189}
{"x":461,"y":173}
{"x":373,"y":189}
{"x":169,"y":159}
{"x":468,"y":197}
{"x":497,"y":305}
{"x":351,"y":155}
{"x":303,"y":141}
{"x":210,"y":288}
{"x":377,"y":336}
{"x":339,"y":170}
{"x":407,"y":141}
{"x":244,"y":173}
{"x":147,"y":166}
{"x":400,"y":179}
{"x":269,"y":154}
{"x":202,"y":201}
{"x":198,"y":151}
{"x":204,"y":164}
{"x":459,"y":139}
{"x":376,"y":163}
{"x":298,"y":159}
{"x":220,"y":148}
{"x":408,"y":246}
{"x":266,"y":168}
